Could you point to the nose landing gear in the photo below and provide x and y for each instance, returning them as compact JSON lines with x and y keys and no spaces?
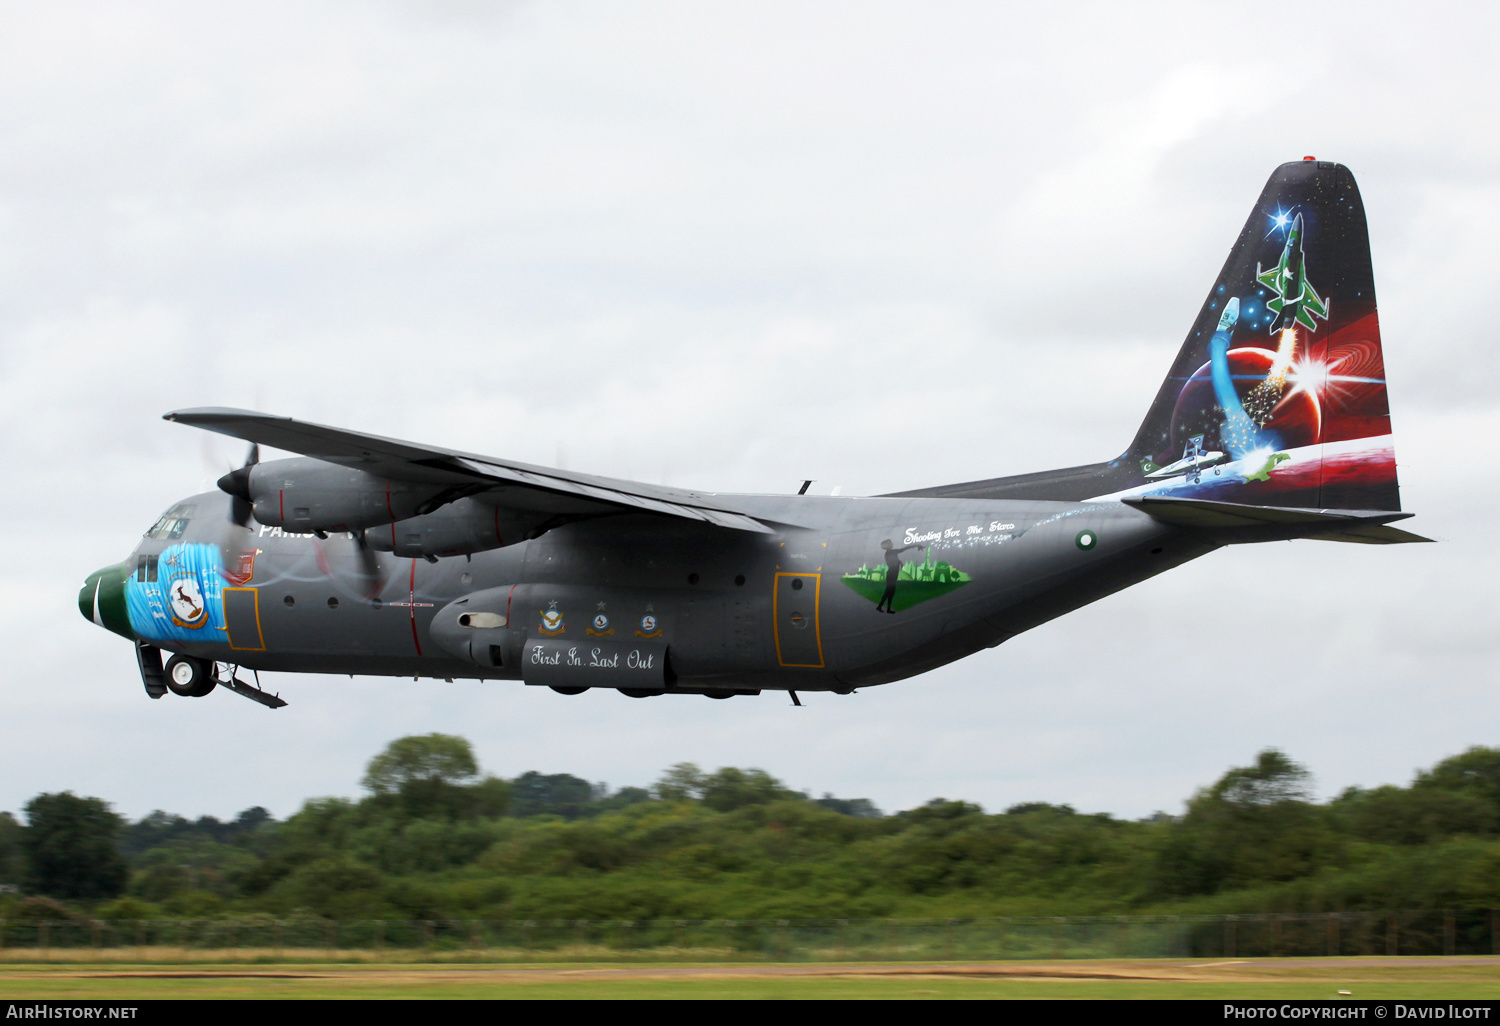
{"x":190,"y":676}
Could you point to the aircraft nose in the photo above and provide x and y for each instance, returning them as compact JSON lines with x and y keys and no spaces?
{"x":101,"y":600}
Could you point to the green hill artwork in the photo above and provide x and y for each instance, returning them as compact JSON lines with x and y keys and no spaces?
{"x":916,"y":583}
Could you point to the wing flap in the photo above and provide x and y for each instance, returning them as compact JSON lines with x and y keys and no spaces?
{"x":613,"y":496}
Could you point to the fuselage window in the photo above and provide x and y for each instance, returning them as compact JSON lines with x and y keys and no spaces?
{"x":145,"y":569}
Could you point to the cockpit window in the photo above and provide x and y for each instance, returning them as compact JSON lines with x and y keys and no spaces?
{"x":172,"y":523}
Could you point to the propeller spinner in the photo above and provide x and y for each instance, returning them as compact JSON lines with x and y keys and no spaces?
{"x":237,"y":484}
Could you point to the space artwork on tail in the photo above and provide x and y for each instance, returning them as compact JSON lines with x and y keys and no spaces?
{"x":1278,"y":396}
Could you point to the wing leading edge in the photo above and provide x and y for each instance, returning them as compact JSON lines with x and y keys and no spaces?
{"x":502,"y":482}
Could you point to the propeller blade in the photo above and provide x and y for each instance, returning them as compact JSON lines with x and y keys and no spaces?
{"x":369,"y":561}
{"x":237,"y":484}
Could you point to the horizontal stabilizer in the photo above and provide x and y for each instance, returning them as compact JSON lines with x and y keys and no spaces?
{"x":1352,"y":525}
{"x":1374,"y":534}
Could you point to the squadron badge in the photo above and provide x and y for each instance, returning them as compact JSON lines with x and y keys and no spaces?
{"x":186,"y":600}
{"x":552,"y":621}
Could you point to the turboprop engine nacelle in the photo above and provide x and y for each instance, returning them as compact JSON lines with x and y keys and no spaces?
{"x":305,"y":494}
{"x":456,"y":529}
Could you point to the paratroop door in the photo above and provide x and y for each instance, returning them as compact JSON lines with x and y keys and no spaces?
{"x":799,"y":641}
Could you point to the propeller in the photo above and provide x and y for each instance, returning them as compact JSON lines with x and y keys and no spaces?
{"x":369,"y":565}
{"x":237,"y":484}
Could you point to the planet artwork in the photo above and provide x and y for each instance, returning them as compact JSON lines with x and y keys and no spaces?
{"x":1295,"y":419}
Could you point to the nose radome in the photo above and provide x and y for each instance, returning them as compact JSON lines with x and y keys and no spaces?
{"x":101,"y":600}
{"x":86,"y":596}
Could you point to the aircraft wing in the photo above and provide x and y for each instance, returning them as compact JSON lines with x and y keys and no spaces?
{"x":500,"y":482}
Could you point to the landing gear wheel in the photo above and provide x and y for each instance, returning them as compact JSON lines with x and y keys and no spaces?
{"x":190,"y":676}
{"x":567,"y":691}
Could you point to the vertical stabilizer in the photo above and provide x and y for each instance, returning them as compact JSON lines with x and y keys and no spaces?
{"x":1278,"y":396}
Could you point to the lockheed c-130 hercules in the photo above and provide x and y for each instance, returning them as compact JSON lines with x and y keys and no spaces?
{"x":367,"y":555}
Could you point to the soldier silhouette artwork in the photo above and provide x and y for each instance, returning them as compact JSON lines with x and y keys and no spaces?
{"x":893,"y":571}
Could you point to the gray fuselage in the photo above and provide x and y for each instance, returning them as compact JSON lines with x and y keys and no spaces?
{"x":648,"y":602}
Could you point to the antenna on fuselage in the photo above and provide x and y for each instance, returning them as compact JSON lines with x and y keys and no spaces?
{"x":805,"y":484}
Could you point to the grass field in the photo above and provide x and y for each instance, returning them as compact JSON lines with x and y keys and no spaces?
{"x":1474,"y":978}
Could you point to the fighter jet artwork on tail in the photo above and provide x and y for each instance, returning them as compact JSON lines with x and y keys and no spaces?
{"x":1295,"y":300}
{"x":378,"y":556}
{"x":1194,"y":459}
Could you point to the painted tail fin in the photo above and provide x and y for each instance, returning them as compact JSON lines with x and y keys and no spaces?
{"x":1278,"y":396}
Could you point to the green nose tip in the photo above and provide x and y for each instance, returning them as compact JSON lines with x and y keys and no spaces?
{"x":102,"y":600}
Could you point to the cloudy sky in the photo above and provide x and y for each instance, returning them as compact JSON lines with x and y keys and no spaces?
{"x":687,"y":243}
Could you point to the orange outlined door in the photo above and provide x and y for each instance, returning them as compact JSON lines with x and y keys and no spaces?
{"x":799,"y":639}
{"x":242,"y":619}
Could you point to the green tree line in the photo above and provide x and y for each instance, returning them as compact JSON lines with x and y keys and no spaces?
{"x":434,"y":838}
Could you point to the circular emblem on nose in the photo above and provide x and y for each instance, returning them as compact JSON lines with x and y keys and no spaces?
{"x":1086,"y":540}
{"x":601,"y":622}
{"x":186,"y":599}
{"x":648,"y":623}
